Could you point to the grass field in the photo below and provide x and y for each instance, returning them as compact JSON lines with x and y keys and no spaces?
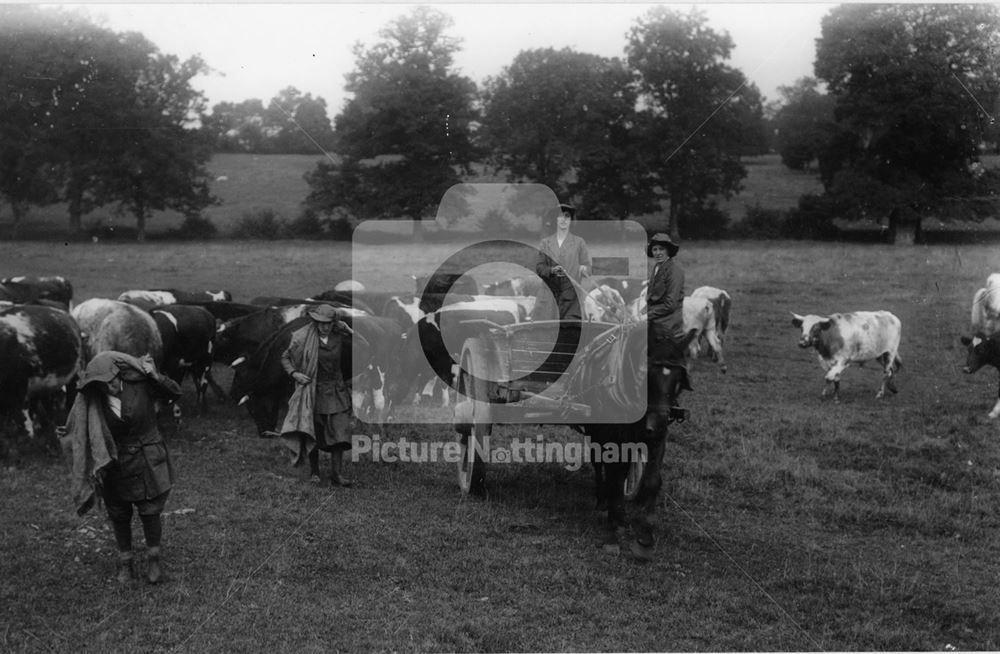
{"x":248,"y":183}
{"x":789,"y":523}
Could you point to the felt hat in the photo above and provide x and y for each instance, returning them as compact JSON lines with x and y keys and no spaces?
{"x":323,"y":313}
{"x":567,"y":208}
{"x":107,"y":365}
{"x":662,"y":239}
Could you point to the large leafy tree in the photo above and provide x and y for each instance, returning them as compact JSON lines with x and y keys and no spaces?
{"x":405,"y":136}
{"x":698,"y":110}
{"x":300,"y":123}
{"x":910,"y":83}
{"x":237,"y":127}
{"x":92,"y":117}
{"x":36,"y":62}
{"x":159,"y":160}
{"x":804,"y":123}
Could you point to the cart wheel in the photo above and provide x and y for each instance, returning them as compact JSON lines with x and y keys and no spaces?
{"x":633,"y":479}
{"x":471,"y":465}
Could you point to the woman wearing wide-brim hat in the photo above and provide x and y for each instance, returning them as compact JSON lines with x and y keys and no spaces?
{"x":319,"y":410}
{"x":665,"y":302}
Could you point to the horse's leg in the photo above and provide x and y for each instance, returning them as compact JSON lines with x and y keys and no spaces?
{"x":600,"y":493}
{"x":614,"y":494}
{"x":649,"y":490}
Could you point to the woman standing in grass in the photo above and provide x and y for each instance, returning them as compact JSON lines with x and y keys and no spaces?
{"x":319,"y":410}
{"x":118,"y":448}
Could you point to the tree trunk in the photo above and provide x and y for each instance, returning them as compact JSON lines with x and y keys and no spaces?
{"x":140,"y":226}
{"x":75,"y":213}
{"x":673,"y":229}
{"x":18,"y":211}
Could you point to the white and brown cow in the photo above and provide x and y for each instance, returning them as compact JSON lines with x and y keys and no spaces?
{"x":700,"y":315}
{"x":713,"y":336}
{"x":841,"y":339}
{"x":119,"y":326}
{"x":986,"y":307}
{"x":39,"y":356}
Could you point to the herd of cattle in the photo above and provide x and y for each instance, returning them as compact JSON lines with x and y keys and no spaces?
{"x":45,"y":339}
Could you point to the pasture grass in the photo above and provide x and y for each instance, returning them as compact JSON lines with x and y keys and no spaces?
{"x":246,"y":184}
{"x":787,"y":522}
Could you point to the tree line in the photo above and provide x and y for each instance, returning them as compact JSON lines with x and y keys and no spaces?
{"x":902,"y":100}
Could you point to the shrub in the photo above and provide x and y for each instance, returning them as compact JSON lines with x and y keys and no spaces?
{"x":708,"y":222}
{"x":812,"y":219}
{"x":307,"y":224}
{"x":760,"y":223}
{"x":262,"y":224}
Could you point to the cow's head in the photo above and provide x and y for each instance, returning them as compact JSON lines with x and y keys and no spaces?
{"x":981,"y":350}
{"x":811,"y":327}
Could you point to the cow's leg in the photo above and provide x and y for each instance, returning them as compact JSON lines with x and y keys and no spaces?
{"x":200,"y":376}
{"x":995,"y":413}
{"x":715,"y":343}
{"x":833,"y":378}
{"x":886,"y":359}
{"x":219,"y":393}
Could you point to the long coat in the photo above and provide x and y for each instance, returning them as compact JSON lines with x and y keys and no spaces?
{"x":302,"y":355}
{"x":665,"y":302}
{"x":570,"y":256}
{"x":133,"y":466}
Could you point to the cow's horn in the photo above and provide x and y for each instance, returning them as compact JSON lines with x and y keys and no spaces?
{"x":237,"y":362}
{"x":243,"y":400}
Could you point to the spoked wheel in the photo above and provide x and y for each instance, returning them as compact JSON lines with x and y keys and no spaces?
{"x":475,"y":443}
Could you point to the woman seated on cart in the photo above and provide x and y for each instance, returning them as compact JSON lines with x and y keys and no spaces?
{"x":563,"y":260}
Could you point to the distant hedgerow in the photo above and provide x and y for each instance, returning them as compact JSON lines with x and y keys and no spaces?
{"x":262,"y":224}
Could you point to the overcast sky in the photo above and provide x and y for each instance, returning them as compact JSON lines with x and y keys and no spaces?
{"x":258,"y":49}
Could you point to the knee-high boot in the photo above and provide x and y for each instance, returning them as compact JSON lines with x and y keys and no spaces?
{"x":337,"y":477}
{"x":152,"y":529}
{"x":123,"y":538}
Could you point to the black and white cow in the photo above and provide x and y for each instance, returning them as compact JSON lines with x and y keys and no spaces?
{"x":841,"y":339}
{"x":25,"y":289}
{"x":155,"y":297}
{"x":241,"y":336}
{"x":40,"y":356}
{"x":982,"y":351}
{"x":188,"y":334}
{"x":262,"y":385}
{"x":434,"y":289}
{"x":430,"y":349}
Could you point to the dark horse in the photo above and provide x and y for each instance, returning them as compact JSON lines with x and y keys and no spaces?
{"x":617,"y":372}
